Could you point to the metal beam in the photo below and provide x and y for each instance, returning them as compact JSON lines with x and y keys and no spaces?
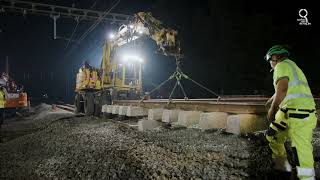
{"x":238,"y":105}
{"x":205,"y":105}
{"x":54,"y":10}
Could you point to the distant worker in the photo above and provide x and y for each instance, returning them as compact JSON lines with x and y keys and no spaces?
{"x":2,"y":102}
{"x":292,"y":115}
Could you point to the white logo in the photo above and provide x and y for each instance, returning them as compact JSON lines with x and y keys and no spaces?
{"x":303,"y":13}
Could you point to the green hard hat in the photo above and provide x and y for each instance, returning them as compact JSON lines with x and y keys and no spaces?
{"x":276,"y":49}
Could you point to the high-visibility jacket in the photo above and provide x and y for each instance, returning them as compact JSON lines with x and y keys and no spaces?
{"x":2,"y":99}
{"x":299,"y":94}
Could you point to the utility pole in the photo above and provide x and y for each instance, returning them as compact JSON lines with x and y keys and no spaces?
{"x":54,"y":17}
{"x":7,"y":66}
{"x":67,"y":87}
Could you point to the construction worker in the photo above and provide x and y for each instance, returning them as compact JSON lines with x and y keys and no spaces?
{"x":292,"y":115}
{"x":2,"y":101}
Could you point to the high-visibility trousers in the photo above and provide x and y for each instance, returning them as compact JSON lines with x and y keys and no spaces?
{"x":298,"y":129}
{"x":2,"y":99}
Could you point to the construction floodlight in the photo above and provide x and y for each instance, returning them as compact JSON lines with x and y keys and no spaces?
{"x":132,"y":58}
{"x":111,"y":36}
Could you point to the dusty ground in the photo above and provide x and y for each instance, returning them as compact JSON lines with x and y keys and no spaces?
{"x":60,"y":145}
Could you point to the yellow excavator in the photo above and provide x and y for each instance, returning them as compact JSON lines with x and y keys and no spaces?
{"x":119,"y":76}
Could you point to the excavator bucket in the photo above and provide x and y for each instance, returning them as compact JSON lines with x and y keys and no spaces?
{"x":165,"y":38}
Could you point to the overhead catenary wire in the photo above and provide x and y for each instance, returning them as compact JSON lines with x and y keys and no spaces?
{"x":99,"y":45}
{"x":94,"y":25}
{"x":78,"y":21}
{"x":73,"y":32}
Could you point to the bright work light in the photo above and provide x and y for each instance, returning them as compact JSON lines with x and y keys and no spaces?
{"x":111,"y":36}
{"x":132,"y":58}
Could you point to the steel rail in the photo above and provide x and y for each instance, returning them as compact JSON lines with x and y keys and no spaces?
{"x":66,"y":108}
{"x":205,"y":105}
{"x":238,"y":105}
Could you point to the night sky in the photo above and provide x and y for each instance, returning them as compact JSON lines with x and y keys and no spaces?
{"x":224,"y":42}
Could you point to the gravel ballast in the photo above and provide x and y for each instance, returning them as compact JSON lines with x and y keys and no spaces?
{"x":61,"y":145}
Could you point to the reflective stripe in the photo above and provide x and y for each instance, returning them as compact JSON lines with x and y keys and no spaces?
{"x":296,"y":81}
{"x":294,"y":71}
{"x":277,"y":126}
{"x":309,"y":178}
{"x":305,"y":171}
{"x":294,"y":96}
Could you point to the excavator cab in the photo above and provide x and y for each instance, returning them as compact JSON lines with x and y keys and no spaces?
{"x":127,"y":77}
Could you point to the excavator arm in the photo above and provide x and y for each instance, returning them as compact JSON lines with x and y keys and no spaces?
{"x":144,"y":24}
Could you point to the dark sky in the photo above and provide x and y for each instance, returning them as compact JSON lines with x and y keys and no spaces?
{"x":224,"y":42}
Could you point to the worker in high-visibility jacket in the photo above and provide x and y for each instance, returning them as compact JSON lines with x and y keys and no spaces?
{"x":2,"y":102}
{"x":2,"y":98}
{"x":292,"y":114}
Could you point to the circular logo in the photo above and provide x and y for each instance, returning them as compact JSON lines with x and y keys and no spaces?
{"x":303,"y":13}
